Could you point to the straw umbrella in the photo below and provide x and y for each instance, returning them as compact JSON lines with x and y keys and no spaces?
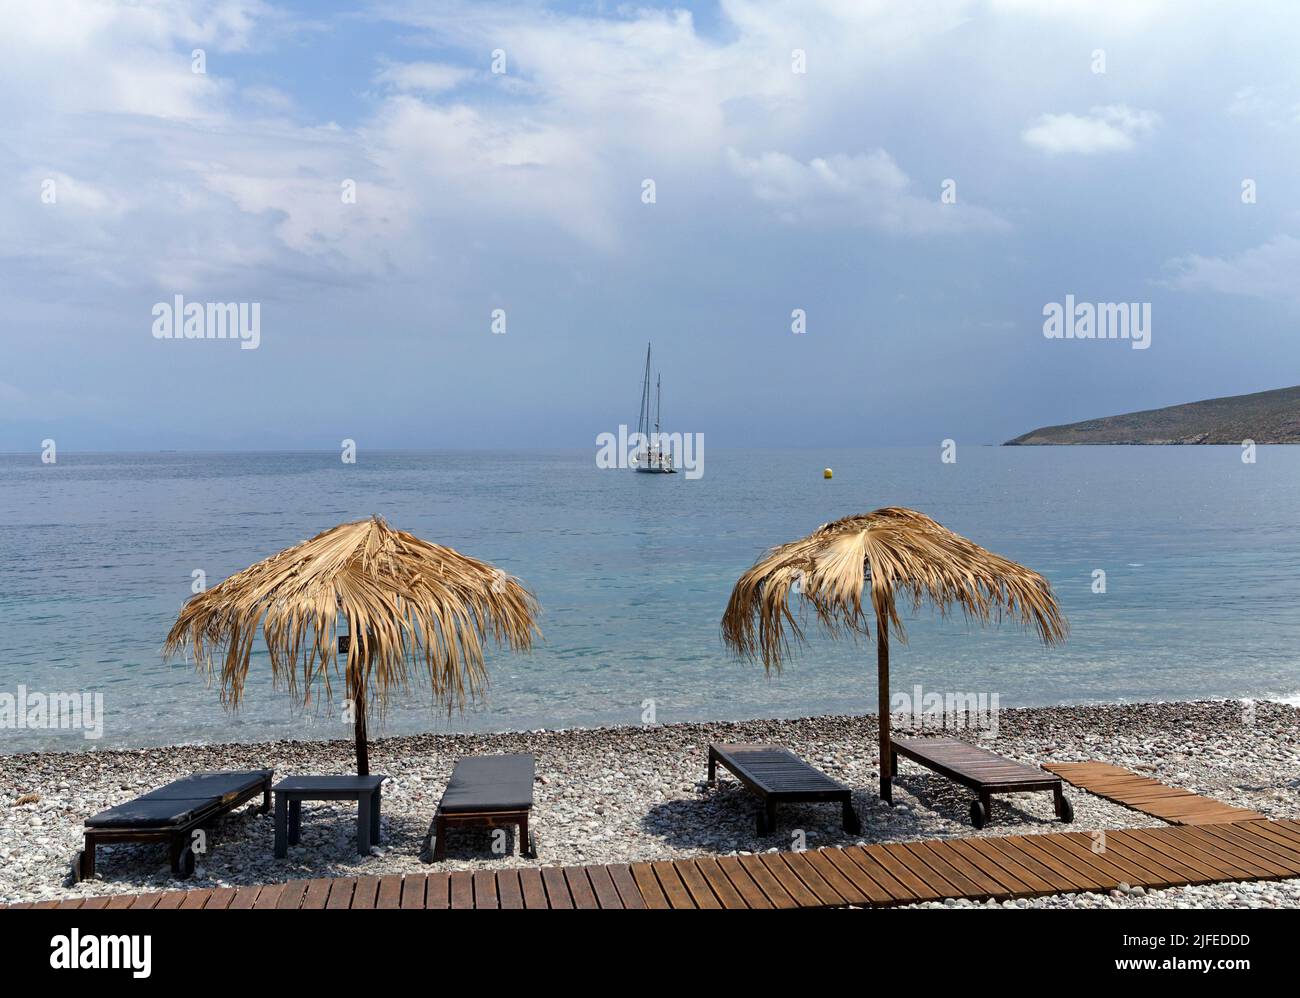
{"x":894,"y":550}
{"x":410,"y":606}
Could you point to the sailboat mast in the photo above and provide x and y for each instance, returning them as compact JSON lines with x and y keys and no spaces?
{"x":643,"y":416}
{"x":659,"y":391}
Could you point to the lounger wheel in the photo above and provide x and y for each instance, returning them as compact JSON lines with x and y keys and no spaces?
{"x":979,"y":815}
{"x":1066,"y":812}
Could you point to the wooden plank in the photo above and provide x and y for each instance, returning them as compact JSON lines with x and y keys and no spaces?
{"x":269,"y":896}
{"x":813,"y":880}
{"x":1007,"y":882}
{"x":413,"y":888}
{"x":1267,"y":834}
{"x":437,"y":891}
{"x":509,"y":894}
{"x":919,"y":871}
{"x":145,"y":902}
{"x":316,"y":894}
{"x":723,"y":889}
{"x":580,"y":888}
{"x":220,"y":898}
{"x":485,"y":890}
{"x":1159,"y":874}
{"x":340,"y":893}
{"x":743,"y":883}
{"x":1148,"y":795}
{"x":1248,"y":850}
{"x":1128,"y":871}
{"x":674,"y":888}
{"x":292,"y":894}
{"x":389,"y":895}
{"x":462,"y":890}
{"x":170,"y":900}
{"x":699,"y":888}
{"x":1181,"y":872}
{"x":117,"y":903}
{"x":532,"y":888}
{"x":876,"y":866}
{"x":1216,"y":867}
{"x":557,"y":889}
{"x":602,"y":885}
{"x":1105,"y":874}
{"x":963,"y":885}
{"x":244,"y":897}
{"x":195,"y":899}
{"x":366,"y":892}
{"x":1030,"y":846}
{"x":625,"y":883}
{"x":1034,"y":884}
{"x":767,"y":883}
{"x":648,"y":884}
{"x":870,"y":857}
{"x":835,"y":878}
{"x":862,"y":883}
{"x":1193,"y":843}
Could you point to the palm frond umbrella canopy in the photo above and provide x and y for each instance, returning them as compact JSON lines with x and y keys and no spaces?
{"x":893,"y":551}
{"x":410,"y":607}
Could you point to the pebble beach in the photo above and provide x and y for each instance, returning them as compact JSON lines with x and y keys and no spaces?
{"x":626,"y":794}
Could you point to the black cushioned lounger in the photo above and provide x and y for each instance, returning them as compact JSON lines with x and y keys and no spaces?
{"x":490,"y":790}
{"x":171,"y":813}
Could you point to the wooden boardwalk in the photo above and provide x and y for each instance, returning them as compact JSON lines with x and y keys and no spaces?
{"x":1141,"y":793}
{"x":1015,"y":866}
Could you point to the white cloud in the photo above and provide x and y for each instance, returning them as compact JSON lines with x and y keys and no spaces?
{"x":1267,"y":272}
{"x":423,"y":77}
{"x":1111,"y":128}
{"x":868,"y":189}
{"x":1276,"y":106}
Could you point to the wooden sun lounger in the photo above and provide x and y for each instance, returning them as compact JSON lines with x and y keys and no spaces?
{"x":985,"y":772}
{"x":778,"y":776}
{"x":488,"y":790}
{"x":171,"y":813}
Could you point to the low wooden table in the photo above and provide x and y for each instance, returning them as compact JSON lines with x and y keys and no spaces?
{"x":292,"y":791}
{"x":983,"y":771}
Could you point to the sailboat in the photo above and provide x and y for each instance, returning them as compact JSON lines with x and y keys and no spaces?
{"x":651,"y":459}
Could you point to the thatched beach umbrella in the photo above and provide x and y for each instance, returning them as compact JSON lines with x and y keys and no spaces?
{"x":894,"y":550}
{"x":409,"y":606}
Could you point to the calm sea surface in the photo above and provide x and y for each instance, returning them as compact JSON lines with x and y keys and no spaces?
{"x":1201,"y":554}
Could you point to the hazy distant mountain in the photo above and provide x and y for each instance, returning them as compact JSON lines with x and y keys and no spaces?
{"x":1265,"y":417}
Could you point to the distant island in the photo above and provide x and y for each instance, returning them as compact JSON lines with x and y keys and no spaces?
{"x":1271,"y":417}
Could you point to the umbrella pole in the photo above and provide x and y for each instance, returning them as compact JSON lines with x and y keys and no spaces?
{"x":882,"y":681}
{"x":359,"y":713}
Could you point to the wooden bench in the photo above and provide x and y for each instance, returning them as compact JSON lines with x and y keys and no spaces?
{"x":778,"y":776}
{"x":171,"y":814}
{"x":985,"y":772}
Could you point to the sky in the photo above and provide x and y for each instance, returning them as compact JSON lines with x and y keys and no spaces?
{"x":918,"y":180}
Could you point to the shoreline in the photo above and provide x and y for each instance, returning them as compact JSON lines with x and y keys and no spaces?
{"x":629,"y":793}
{"x":345,"y":735}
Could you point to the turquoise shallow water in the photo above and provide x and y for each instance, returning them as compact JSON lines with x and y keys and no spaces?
{"x":1201,"y":551}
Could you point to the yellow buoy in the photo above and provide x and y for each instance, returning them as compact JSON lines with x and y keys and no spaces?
{"x":827,"y":473}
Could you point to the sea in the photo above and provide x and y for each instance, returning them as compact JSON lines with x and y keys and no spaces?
{"x":1177,"y":567}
